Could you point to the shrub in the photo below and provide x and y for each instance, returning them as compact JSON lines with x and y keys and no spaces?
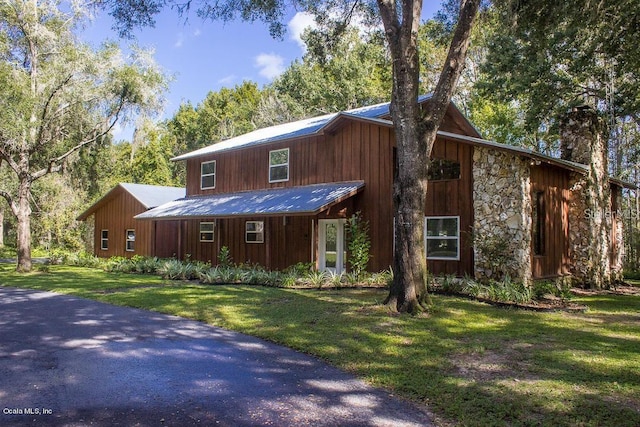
{"x":224,"y":257}
{"x":359,"y":244}
{"x":177,"y":270}
{"x":300,"y":269}
{"x":315,"y":278}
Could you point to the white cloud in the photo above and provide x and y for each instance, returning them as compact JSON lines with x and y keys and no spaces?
{"x":298,"y":24}
{"x":227,"y":80}
{"x":197,"y":32}
{"x":179,"y":41}
{"x":270,"y":64}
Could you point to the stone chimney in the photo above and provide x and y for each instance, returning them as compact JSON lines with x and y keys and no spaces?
{"x":583,"y":140}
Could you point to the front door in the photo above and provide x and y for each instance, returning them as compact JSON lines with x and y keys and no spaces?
{"x":332,"y":254}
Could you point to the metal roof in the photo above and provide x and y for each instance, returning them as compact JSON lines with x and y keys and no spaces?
{"x":149,"y":196}
{"x":152,"y":196}
{"x":300,"y":128}
{"x":308,"y":199}
{"x":566,"y":164}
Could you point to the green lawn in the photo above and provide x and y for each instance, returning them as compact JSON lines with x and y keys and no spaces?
{"x":473,"y":364}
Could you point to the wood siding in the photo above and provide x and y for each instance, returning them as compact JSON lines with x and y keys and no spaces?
{"x":116,"y":216}
{"x":287,"y":241}
{"x":553,"y":183}
{"x":453,"y":198}
{"x":354,"y":151}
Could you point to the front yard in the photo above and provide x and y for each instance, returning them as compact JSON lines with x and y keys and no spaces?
{"x":471,"y":363}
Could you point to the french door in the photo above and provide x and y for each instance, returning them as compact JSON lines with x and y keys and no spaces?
{"x":333,"y":252}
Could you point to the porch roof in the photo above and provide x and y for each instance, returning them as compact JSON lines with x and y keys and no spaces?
{"x":302,"y":200}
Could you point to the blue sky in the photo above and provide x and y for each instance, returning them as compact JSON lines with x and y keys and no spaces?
{"x":204,"y":56}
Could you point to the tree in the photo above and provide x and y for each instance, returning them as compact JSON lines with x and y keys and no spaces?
{"x":552,"y":55}
{"x":351,"y":71}
{"x":58,"y":97}
{"x":415,"y":127}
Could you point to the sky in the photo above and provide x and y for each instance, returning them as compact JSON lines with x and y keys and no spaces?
{"x":204,"y":55}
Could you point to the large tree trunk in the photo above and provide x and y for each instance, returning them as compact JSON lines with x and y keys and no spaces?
{"x":1,"y":227}
{"x":23,"y":216}
{"x":415,"y":133}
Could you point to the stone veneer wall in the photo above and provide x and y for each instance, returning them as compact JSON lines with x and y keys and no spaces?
{"x":502,"y":214}
{"x":590,"y":214}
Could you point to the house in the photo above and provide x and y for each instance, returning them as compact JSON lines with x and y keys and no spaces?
{"x":282,"y":195}
{"x":117,"y":233}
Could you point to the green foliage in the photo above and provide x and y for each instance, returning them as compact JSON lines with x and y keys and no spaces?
{"x":177,"y":270}
{"x":349,"y":72}
{"x":224,"y":257}
{"x":551,"y":55}
{"x":300,"y":268}
{"x":486,"y":366}
{"x":359,"y":244}
{"x":315,"y":278}
{"x":558,"y":288}
{"x":495,"y":252}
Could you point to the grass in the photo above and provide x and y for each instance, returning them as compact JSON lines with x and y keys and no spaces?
{"x":471,"y":363}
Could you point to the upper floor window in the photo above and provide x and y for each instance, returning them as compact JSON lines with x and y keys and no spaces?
{"x":207,"y":231}
{"x":279,"y":165}
{"x":443,"y":169}
{"x":208,"y":175}
{"x":442,"y":237}
{"x":104,"y":240}
{"x":131,"y":240}
{"x":538,"y":223}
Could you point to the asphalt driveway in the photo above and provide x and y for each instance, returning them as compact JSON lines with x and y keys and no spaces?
{"x":67,"y":361}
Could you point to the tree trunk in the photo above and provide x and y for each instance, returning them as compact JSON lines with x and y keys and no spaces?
{"x":415,"y":133}
{"x":23,"y":216}
{"x":1,"y":227}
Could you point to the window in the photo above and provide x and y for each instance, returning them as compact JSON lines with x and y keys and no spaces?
{"x":279,"y":165}
{"x":442,"y":237}
{"x":537,"y":222}
{"x":104,"y":240}
{"x":206,"y":231}
{"x":254,"y":232}
{"x":443,"y":169}
{"x":131,"y":240}
{"x":207,"y":175}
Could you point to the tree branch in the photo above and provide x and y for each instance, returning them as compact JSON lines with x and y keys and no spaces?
{"x":55,"y":165}
{"x":454,"y":63}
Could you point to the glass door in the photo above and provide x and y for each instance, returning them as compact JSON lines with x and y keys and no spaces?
{"x":332,"y":255}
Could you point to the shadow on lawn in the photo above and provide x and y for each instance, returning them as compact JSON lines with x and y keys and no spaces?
{"x":471,"y":363}
{"x":93,"y":363}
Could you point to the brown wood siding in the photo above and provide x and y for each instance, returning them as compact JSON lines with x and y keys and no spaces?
{"x":354,"y":151}
{"x":287,"y":241}
{"x":166,"y":239}
{"x":453,"y":198}
{"x":116,"y":216}
{"x":553,"y":183}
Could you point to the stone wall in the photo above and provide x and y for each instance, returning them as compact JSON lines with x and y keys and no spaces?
{"x":502,"y":215}
{"x":590,"y":210}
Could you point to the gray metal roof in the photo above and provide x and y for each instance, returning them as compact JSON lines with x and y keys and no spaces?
{"x":300,"y":128}
{"x":152,"y":196}
{"x":149,"y":196}
{"x":308,"y":199}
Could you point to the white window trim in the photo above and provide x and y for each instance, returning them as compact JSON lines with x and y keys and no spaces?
{"x":257,"y":233}
{"x":127,"y":240}
{"x":212,"y":232}
{"x":279,"y":165}
{"x":202,"y":175}
{"x":104,"y":240}
{"x":456,"y":237}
